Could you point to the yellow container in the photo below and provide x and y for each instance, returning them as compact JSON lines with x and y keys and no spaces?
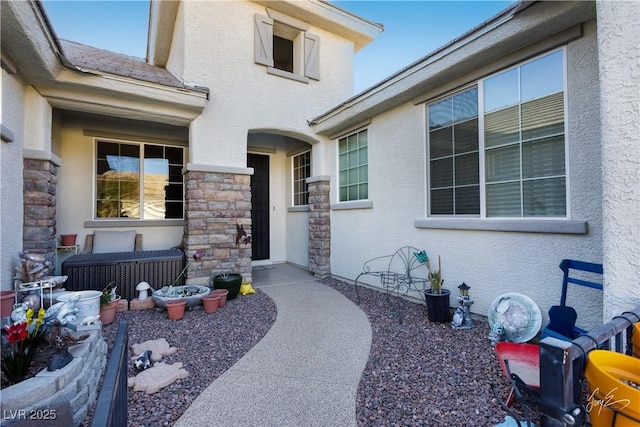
{"x":635,"y":340}
{"x":612,"y":401}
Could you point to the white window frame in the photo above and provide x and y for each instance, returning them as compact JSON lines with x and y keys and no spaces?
{"x":304,"y":180}
{"x":557,"y":224}
{"x":338,"y":170}
{"x":141,"y":150}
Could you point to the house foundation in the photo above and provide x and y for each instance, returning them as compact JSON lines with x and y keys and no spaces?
{"x":319,"y":226}
{"x":217,"y":205}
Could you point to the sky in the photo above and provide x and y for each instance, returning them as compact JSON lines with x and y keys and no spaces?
{"x":412,"y":29}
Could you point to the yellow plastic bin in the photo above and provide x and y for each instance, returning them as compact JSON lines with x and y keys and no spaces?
{"x":612,"y":400}
{"x":635,"y":340}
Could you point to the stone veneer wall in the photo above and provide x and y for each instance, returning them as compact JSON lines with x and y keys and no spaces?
{"x":319,"y":226}
{"x":216,"y":203}
{"x":76,"y":383}
{"x":40,"y":179}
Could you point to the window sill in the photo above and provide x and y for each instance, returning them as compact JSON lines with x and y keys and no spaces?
{"x":518,"y":226}
{"x":287,"y":75}
{"x":107,"y":223}
{"x":360,"y":204}
{"x":304,"y":208}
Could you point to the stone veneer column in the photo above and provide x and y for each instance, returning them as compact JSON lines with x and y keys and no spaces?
{"x":216,"y":204}
{"x":319,"y":225}
{"x":40,"y":180}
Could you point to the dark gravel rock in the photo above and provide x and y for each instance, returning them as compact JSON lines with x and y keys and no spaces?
{"x":421,"y":373}
{"x":208,"y":345}
{"x":418,"y":374}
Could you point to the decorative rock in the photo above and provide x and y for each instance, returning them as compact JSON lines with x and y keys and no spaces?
{"x":160,"y":375}
{"x":137,"y":304}
{"x":123,"y":305}
{"x":159,"y":348}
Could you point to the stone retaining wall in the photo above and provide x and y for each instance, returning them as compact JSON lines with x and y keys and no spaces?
{"x":76,"y":384}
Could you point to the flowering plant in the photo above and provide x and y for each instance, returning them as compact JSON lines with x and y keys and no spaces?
{"x":24,"y":337}
{"x":196,"y":256}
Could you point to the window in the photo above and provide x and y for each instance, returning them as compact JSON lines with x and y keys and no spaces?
{"x":286,"y":47}
{"x":301,"y":171}
{"x":519,"y":144}
{"x":353,"y":167}
{"x":131,"y":175}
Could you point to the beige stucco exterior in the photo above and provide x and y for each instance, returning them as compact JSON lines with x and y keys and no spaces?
{"x":52,"y":111}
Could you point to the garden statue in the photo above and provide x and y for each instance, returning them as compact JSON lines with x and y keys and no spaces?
{"x":60,"y":339}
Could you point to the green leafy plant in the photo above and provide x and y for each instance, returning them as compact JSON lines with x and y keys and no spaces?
{"x":434,"y":276}
{"x":108,"y":294}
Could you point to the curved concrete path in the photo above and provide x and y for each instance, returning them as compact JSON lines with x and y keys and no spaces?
{"x":306,"y":369}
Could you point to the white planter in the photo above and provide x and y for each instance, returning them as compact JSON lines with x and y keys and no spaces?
{"x":88,"y":304}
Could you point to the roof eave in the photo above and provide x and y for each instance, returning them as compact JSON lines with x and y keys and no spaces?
{"x":455,"y":58}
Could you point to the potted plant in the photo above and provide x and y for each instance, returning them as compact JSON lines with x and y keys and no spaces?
{"x":108,"y":304}
{"x":436,"y":298}
{"x":229,"y":281}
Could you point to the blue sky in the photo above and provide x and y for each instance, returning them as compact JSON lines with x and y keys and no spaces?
{"x":412,"y":28}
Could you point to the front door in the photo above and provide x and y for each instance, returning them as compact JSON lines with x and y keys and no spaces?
{"x":259,"y":206}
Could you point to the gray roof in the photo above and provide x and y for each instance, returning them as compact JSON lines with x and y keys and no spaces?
{"x":91,"y":58}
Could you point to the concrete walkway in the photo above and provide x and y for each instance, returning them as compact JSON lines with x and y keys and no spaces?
{"x":306,"y":369}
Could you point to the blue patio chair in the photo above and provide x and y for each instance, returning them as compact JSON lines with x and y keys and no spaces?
{"x":562,"y":318}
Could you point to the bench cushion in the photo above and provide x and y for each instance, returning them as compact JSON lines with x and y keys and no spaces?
{"x":113,"y":241}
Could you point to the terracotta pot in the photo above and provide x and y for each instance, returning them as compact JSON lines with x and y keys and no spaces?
{"x":223,"y":293}
{"x":211,"y":303}
{"x":108,"y":313}
{"x":68,"y":239}
{"x":8,"y":299}
{"x":175,"y":308}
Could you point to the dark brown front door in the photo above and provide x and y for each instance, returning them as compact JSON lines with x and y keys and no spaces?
{"x":259,"y":206}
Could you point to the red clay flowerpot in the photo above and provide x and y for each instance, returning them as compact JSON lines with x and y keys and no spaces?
{"x":68,"y":239}
{"x":175,"y":308}
{"x":223,"y":295}
{"x":211,"y":303}
{"x":7,"y":299}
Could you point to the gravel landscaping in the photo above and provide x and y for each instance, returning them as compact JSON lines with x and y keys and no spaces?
{"x":418,"y":374}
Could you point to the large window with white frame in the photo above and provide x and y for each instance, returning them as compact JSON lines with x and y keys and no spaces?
{"x":301,"y":171}
{"x":139,"y":181}
{"x":353,"y":167}
{"x":497,"y":149}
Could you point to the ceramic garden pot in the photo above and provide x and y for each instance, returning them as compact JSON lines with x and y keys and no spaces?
{"x":108,"y":313}
{"x":7,"y":298}
{"x":222,"y":293}
{"x":230,"y":282}
{"x":438,"y":307}
{"x":175,"y":308}
{"x":68,"y":239}
{"x":211,"y":303}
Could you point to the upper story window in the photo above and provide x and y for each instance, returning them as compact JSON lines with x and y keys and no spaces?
{"x":519,"y":145}
{"x":353,"y":167}
{"x":301,"y":171}
{"x":286,"y":47}
{"x":139,"y":181}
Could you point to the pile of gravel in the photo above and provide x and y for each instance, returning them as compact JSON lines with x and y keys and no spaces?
{"x":418,"y":374}
{"x":421,"y":373}
{"x":208,"y":345}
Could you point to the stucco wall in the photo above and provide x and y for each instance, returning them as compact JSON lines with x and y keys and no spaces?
{"x":490,"y":262}
{"x":11,"y":215}
{"x":76,"y":182}
{"x":243,"y":96}
{"x":618,"y":36}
